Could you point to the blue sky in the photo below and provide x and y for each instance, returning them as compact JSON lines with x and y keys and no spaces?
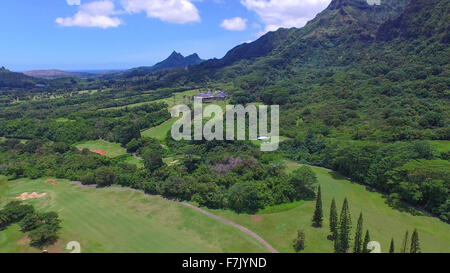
{"x":118,"y":34}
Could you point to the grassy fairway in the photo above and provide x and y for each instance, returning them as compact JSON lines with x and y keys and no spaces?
{"x":121,"y":220}
{"x":159,"y":132}
{"x":279,"y":228}
{"x":442,"y":146}
{"x":112,"y":149}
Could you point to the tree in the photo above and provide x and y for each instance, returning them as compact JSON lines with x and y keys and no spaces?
{"x":318,"y":213}
{"x":336,"y":242}
{"x":358,"y":236}
{"x":243,"y":197}
{"x":303,"y":180}
{"x":44,"y":235}
{"x":366,"y":242}
{"x":415,"y":244}
{"x":299,"y":242}
{"x":4,"y":220}
{"x":15,"y":211}
{"x":345,"y":226}
{"x":333,"y":219}
{"x":126,"y":133}
{"x":404,"y":248}
{"x":30,"y":222}
{"x":391,"y":247}
{"x":104,"y":176}
{"x":152,"y":161}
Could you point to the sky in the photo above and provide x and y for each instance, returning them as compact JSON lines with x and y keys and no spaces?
{"x":79,"y":35}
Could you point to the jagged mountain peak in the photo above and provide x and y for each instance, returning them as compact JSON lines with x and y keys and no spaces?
{"x":175,"y":60}
{"x":175,"y":55}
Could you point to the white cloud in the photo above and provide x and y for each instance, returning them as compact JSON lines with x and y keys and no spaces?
{"x":234,"y":24}
{"x":93,"y":14}
{"x":73,"y":2}
{"x":172,"y":11}
{"x":285,"y":13}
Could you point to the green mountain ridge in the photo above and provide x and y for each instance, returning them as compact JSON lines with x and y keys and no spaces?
{"x":9,"y":79}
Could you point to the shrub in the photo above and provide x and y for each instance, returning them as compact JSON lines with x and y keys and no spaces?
{"x":299,"y":242}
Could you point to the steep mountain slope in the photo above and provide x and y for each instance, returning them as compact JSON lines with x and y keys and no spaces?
{"x":343,"y":25}
{"x":250,"y":51}
{"x":352,"y":18}
{"x":342,"y":18}
{"x":421,"y":19}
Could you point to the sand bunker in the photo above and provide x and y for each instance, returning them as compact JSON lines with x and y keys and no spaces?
{"x":24,"y":241}
{"x":51,"y":181}
{"x":25,"y":196}
{"x":98,"y":151}
{"x":256,"y":218}
{"x":173,"y":163}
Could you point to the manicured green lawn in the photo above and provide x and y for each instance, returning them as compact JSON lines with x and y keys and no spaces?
{"x":121,"y":220}
{"x":442,"y":146}
{"x":279,"y":228}
{"x":159,"y":132}
{"x":112,"y":149}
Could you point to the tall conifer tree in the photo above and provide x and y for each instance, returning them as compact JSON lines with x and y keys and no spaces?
{"x":415,"y":245}
{"x":366,"y":242}
{"x":391,"y":247}
{"x":333,"y":219}
{"x":345,"y":226}
{"x":404,"y":248}
{"x":357,"y":248}
{"x":318,"y":213}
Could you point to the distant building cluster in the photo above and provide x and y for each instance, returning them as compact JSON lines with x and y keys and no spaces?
{"x":210,"y":95}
